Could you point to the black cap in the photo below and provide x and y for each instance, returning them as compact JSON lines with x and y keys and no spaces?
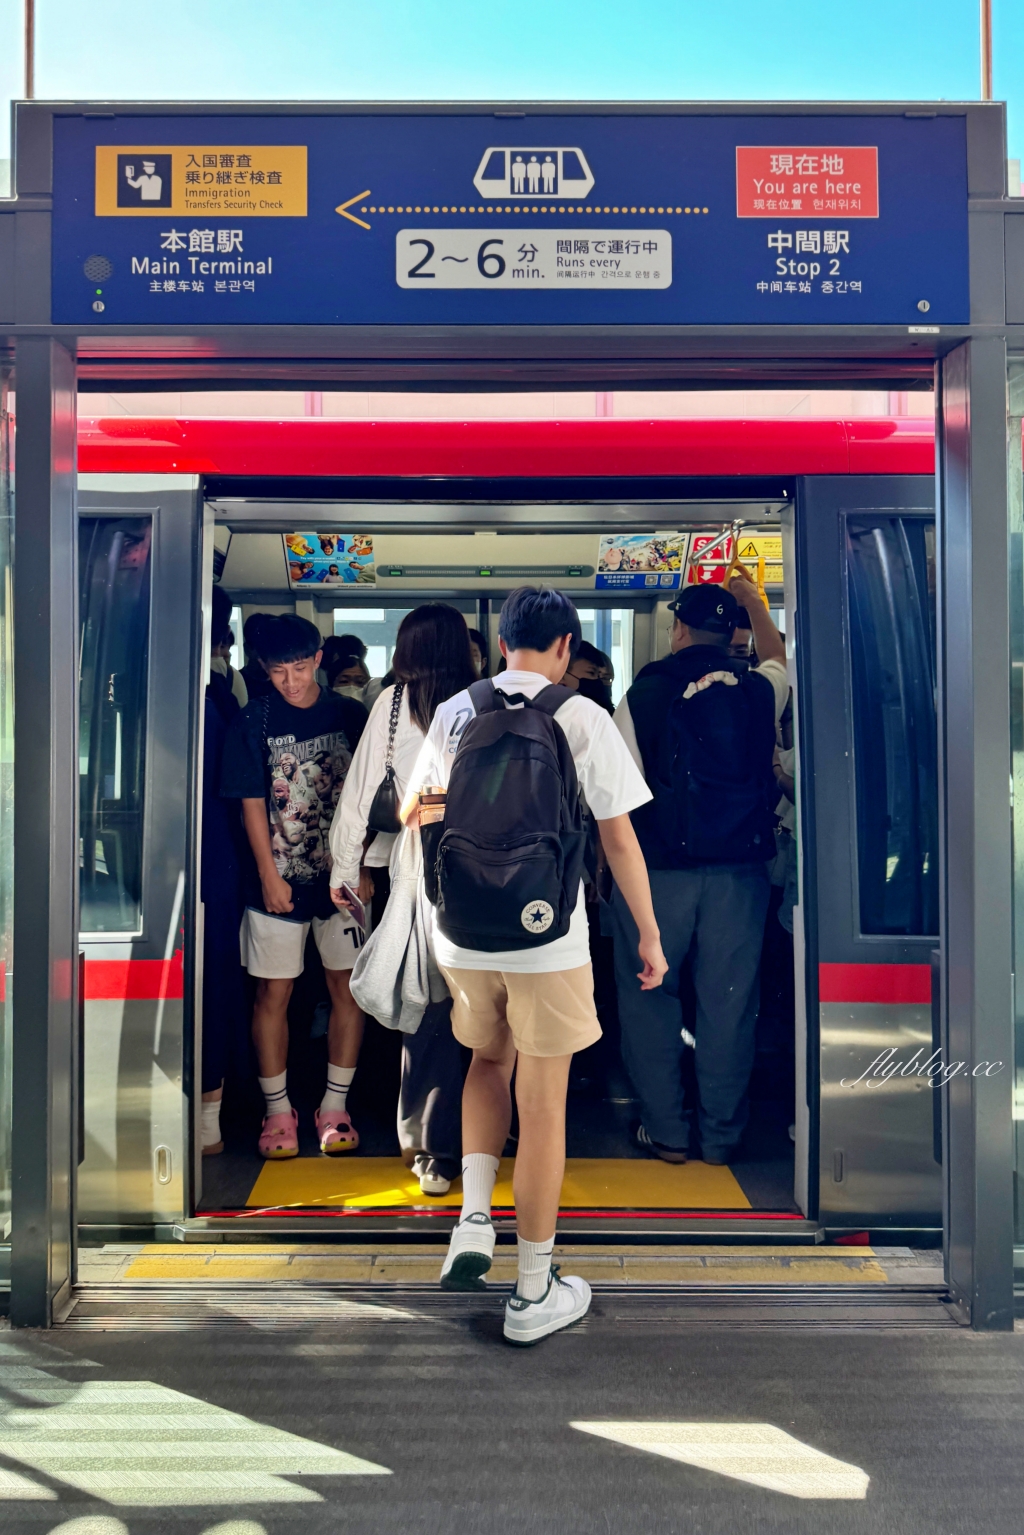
{"x":707,"y":607}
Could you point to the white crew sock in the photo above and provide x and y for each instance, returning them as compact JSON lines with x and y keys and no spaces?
{"x":339,"y":1080}
{"x":209,"y":1121}
{"x":479,"y":1172}
{"x":534,"y":1268}
{"x":275,"y":1091}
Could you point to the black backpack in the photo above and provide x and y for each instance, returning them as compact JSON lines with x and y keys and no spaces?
{"x":504,"y":867}
{"x":708,"y":759}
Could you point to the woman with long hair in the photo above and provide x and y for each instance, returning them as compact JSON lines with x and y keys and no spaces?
{"x":432,"y":662}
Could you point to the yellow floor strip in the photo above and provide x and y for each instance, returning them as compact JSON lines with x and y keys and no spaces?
{"x":591,"y":1183}
{"x":626,"y":1266}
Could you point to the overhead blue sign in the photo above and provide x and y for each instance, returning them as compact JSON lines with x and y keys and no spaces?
{"x":459,"y":219}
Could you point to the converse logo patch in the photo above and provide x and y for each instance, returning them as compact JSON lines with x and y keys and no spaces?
{"x":537,"y":916}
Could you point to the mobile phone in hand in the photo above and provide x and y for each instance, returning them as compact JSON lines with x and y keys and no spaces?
{"x":355,"y":905}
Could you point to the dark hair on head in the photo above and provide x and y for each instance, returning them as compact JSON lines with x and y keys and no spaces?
{"x":220,"y":625}
{"x":533,"y":618}
{"x":585,"y":651}
{"x":349,"y":645}
{"x":288,"y":638}
{"x":339,"y":663}
{"x":432,"y":658}
{"x":477,"y":639}
{"x":340,"y":651}
{"x":253,"y":628}
{"x":742,"y":620}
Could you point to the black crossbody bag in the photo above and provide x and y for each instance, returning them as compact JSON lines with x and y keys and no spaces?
{"x":383,"y":816}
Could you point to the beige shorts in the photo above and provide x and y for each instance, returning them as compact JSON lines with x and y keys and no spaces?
{"x":548,"y":1014}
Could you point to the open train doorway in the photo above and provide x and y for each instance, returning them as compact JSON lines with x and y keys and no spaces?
{"x":846,"y":563}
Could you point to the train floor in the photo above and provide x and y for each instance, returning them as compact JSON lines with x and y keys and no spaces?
{"x":606,"y":1169}
{"x":407,"y":1415}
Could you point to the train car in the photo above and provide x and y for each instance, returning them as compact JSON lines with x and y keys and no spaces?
{"x":841,"y":516}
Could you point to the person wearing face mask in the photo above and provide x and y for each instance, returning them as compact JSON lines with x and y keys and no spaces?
{"x":585,"y":675}
{"x":344,"y":666}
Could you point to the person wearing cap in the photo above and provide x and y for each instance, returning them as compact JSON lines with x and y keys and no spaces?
{"x":701,"y":724}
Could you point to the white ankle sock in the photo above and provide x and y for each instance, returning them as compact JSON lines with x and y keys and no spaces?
{"x":339,"y":1080}
{"x":534,"y":1268}
{"x":209,"y":1121}
{"x":275,"y":1091}
{"x":479,"y":1172}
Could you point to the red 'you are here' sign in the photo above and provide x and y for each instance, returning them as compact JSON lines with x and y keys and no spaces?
{"x":800,"y":181}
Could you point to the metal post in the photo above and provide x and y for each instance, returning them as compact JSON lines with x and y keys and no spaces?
{"x":977,"y":871}
{"x":30,"y":49}
{"x":45,"y":834}
{"x":986,"y":50}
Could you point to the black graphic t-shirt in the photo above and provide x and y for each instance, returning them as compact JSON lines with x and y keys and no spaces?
{"x":295,"y":760}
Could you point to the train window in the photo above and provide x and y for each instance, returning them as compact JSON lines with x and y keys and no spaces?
{"x":890,"y":565}
{"x":114,"y":586}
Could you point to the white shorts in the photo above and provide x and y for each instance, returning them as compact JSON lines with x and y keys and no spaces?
{"x":273,"y":947}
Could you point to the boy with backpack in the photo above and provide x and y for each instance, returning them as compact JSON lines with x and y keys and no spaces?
{"x":503,"y":870}
{"x":701,"y":726}
{"x":286,"y":757}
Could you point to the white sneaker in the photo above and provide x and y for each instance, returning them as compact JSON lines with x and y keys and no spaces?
{"x":432,"y":1180}
{"x":469,"y":1254}
{"x":564,"y":1302}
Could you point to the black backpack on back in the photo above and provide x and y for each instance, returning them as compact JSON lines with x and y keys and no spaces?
{"x":504,"y":871}
{"x":708,"y":762}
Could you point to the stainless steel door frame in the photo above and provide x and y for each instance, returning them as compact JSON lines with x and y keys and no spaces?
{"x":137,"y":1170}
{"x":875,"y":1144}
{"x":45,"y":983}
{"x":975,"y":827}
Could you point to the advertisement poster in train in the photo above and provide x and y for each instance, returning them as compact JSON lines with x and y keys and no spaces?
{"x":329,"y":559}
{"x":641,"y":560}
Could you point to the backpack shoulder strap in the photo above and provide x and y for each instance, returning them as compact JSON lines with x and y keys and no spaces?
{"x":550,"y":699}
{"x":483,"y":695}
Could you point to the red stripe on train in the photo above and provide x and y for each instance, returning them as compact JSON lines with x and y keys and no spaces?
{"x":134,"y":980}
{"x":875,"y":983}
{"x":497,"y":449}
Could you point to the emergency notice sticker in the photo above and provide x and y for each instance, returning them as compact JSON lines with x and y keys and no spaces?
{"x":237,"y":181}
{"x":806,"y":181}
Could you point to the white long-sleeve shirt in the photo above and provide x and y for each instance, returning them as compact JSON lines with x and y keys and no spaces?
{"x":348,"y":829}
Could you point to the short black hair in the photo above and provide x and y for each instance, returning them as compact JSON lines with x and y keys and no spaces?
{"x":288,"y":638}
{"x":533,"y":618}
{"x":350,"y":645}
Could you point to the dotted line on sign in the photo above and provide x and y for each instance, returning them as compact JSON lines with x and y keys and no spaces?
{"x":519,"y":208}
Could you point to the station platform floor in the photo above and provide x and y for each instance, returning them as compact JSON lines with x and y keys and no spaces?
{"x":375,"y":1264}
{"x":406,"y":1415}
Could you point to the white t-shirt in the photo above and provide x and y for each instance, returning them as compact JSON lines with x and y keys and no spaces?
{"x":608,"y":779}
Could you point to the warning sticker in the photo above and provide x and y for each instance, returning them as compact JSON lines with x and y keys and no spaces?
{"x":767,"y":547}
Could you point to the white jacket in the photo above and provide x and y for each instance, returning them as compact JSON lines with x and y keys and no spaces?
{"x":348,"y":829}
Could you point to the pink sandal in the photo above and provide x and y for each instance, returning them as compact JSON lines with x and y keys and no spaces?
{"x":336,"y":1132}
{"x":279,"y":1137}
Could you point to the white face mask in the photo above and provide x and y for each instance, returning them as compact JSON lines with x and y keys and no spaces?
{"x":219,"y":664}
{"x":349,"y":690}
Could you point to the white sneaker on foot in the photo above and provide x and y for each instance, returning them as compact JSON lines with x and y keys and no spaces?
{"x":469,"y":1254}
{"x":564,"y":1302}
{"x":432,"y":1180}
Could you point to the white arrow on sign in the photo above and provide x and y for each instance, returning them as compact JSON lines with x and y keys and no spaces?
{"x":758,"y":1453}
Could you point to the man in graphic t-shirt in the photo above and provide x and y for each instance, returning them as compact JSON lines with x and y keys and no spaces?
{"x":285,"y":758}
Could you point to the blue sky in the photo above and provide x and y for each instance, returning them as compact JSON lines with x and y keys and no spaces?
{"x":515,"y":49}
